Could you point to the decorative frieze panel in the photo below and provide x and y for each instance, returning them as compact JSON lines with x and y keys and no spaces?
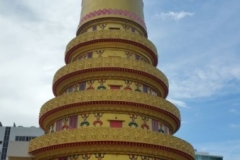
{"x":110,"y":52}
{"x":111,"y":101}
{"x":113,"y":84}
{"x":128,"y":65}
{"x":104,"y":156}
{"x":112,"y":34}
{"x":100,"y":119}
{"x":112,"y":26}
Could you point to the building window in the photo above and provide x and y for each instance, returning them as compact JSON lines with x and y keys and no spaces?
{"x":24,"y":138}
{"x":59,"y":125}
{"x":155,"y":125}
{"x":145,"y":89}
{"x":94,"y":28}
{"x":89,"y":55}
{"x":73,"y":122}
{"x":82,"y":86}
{"x":0,"y":142}
{"x":133,"y":30}
{"x":114,"y":56}
{"x":114,"y":28}
{"x":115,"y":87}
{"x":116,"y":124}
{"x":137,"y":57}
{"x":5,"y":143}
{"x":70,"y":89}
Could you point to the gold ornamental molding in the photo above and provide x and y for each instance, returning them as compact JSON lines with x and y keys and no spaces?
{"x":127,"y":65}
{"x":108,"y":74}
{"x":110,"y":100}
{"x":111,"y":36}
{"x":101,"y":95}
{"x":108,"y":140}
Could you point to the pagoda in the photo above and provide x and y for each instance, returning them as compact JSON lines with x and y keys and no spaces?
{"x":110,"y":99}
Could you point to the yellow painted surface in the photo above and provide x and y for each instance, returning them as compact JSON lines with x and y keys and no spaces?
{"x":103,"y":156}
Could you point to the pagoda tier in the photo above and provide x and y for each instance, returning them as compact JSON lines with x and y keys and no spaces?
{"x":110,"y":98}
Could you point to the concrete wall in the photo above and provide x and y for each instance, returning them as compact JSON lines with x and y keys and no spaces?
{"x":18,"y":149}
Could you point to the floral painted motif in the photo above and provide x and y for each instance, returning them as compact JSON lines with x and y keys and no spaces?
{"x":90,"y":83}
{"x":86,"y":156}
{"x":98,"y":121}
{"x":73,"y":157}
{"x":138,"y":85}
{"x":85,"y":122}
{"x":99,"y":156}
{"x":76,"y":88}
{"x":100,"y":52}
{"x":161,"y":130}
{"x":133,"y":157}
{"x":83,"y":56}
{"x":128,"y":54}
{"x":133,"y":123}
{"x":144,"y":125}
{"x":101,"y":82}
{"x":102,"y":25}
{"x":145,"y":158}
{"x":128,"y":83}
{"x":65,"y":124}
{"x":152,"y":92}
{"x":126,"y":27}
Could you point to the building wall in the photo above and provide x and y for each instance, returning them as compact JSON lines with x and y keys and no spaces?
{"x":19,"y":134}
{"x":101,"y":119}
{"x":207,"y":156}
{"x":18,"y":149}
{"x":24,"y":132}
{"x":5,"y":134}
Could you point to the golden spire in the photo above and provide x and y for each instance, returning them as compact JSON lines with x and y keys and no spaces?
{"x":110,"y":98}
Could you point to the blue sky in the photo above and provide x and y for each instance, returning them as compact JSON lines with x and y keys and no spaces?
{"x":198,"y":43}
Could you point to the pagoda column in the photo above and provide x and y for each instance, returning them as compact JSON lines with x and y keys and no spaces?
{"x":110,"y":99}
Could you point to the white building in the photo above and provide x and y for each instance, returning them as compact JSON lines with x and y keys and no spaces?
{"x":207,"y":156}
{"x":14,"y":141}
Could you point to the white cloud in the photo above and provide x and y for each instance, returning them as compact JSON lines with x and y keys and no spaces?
{"x":32,"y":49}
{"x":174,"y":15}
{"x":234,"y":126}
{"x":178,"y":103}
{"x":214,"y":77}
{"x":234,"y":111}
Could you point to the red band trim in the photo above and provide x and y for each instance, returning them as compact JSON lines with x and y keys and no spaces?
{"x":83,"y":144}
